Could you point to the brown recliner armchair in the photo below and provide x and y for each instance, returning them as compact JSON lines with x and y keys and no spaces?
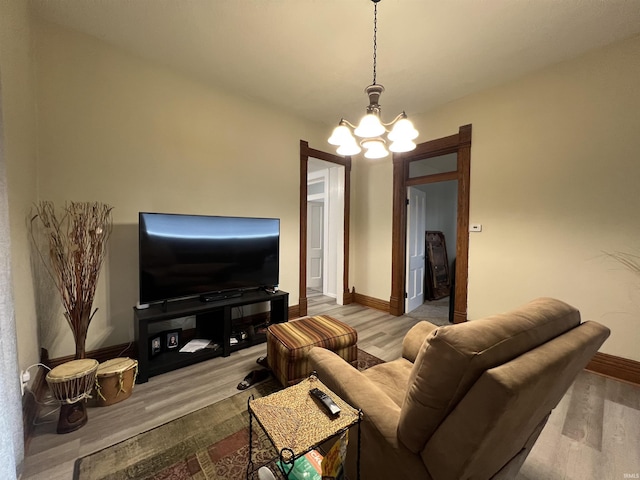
{"x":465,"y":401}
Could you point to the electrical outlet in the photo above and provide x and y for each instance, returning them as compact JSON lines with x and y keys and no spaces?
{"x":24,"y":380}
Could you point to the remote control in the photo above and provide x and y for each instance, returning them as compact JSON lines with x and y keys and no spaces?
{"x":326,"y":400}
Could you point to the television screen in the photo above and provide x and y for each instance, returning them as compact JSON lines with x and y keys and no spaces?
{"x":191,"y":255}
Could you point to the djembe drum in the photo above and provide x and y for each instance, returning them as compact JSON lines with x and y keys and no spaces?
{"x":115,"y":380}
{"x":71,"y":384}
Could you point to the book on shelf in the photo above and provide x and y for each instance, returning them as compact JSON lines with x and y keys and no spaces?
{"x":333,"y":461}
{"x":199,"y":344}
{"x":307,"y":467}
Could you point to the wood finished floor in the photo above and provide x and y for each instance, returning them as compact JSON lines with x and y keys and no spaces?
{"x":593,"y":434}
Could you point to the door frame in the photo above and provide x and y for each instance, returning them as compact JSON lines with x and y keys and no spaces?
{"x":459,"y":143}
{"x":305,"y":153}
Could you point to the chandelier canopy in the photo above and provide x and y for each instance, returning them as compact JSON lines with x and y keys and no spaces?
{"x":373,"y":132}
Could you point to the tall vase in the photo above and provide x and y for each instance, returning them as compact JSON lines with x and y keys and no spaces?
{"x":79,"y":319}
{"x":81,"y":339}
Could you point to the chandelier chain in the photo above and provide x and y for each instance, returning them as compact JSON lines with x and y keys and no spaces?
{"x":374,"y":133}
{"x":375,"y":43}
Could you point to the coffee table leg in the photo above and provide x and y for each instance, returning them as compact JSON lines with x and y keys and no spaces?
{"x":291,"y":456}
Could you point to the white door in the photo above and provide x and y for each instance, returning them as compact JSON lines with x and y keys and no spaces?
{"x":315,"y":243}
{"x":325,"y":183}
{"x":416,"y":224}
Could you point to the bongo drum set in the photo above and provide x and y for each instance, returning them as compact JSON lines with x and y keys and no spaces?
{"x":71,"y":384}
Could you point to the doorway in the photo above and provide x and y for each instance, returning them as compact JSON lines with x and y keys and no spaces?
{"x":431,"y":215}
{"x":324,"y":246}
{"x":325,"y":232}
{"x":445,"y":159}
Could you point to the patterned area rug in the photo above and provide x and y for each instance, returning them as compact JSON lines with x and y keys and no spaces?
{"x":209,"y":444}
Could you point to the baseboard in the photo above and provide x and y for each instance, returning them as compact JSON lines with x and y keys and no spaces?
{"x":102,"y":354}
{"x":370,"y":301}
{"x":294,"y":311}
{"x":618,"y":368}
{"x":347,"y":297}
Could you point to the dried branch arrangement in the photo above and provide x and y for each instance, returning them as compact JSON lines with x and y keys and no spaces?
{"x":77,"y":240}
{"x":629,"y":260}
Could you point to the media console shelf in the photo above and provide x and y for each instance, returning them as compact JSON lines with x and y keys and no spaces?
{"x":213,"y":321}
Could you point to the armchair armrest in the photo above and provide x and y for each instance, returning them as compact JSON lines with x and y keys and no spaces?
{"x":357,"y":390}
{"x":414,"y":339}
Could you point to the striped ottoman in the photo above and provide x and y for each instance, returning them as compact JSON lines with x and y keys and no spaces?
{"x":288,"y":344}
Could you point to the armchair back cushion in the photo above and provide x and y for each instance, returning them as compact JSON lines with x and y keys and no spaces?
{"x":506,"y":404}
{"x":453,"y":358}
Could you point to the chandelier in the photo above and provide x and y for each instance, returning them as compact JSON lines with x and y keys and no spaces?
{"x":373,"y":132}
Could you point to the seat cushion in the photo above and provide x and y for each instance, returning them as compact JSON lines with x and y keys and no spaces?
{"x":288,"y":345}
{"x":453,"y":357}
{"x":392,"y":378}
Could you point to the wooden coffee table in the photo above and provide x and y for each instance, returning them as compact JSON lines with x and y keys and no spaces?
{"x":296,"y":423}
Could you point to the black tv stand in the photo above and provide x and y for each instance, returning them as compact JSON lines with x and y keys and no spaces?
{"x":213,"y":321}
{"x":215,"y":297}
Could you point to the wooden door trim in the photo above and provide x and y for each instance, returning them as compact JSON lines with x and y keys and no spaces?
{"x":435,"y":178}
{"x":460,"y":143}
{"x":305,"y":153}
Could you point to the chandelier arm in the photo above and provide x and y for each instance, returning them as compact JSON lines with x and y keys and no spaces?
{"x":348,"y":123}
{"x":398,"y":117}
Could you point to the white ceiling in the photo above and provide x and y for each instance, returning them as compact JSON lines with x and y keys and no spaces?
{"x":314,"y":57}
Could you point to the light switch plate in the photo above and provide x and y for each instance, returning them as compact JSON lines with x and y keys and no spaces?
{"x":475,"y":227}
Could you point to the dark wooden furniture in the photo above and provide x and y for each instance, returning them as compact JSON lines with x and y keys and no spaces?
{"x":437,"y":280}
{"x":213,"y":321}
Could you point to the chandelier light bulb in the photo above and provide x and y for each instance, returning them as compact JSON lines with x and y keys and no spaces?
{"x":376,"y":153}
{"x":403,"y":130}
{"x":370,"y":127}
{"x":375,"y":148}
{"x":400,"y":146}
{"x":341,"y":135}
{"x":349,"y":148}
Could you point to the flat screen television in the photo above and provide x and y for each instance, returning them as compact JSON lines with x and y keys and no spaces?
{"x":197,"y":255}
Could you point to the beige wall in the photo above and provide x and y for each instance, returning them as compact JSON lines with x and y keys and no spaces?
{"x":140,"y":137}
{"x":554,"y":175}
{"x":370,"y":236}
{"x":18,"y":115}
{"x":554,"y":182}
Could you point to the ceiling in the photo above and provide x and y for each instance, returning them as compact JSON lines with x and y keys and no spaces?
{"x":314,"y":57}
